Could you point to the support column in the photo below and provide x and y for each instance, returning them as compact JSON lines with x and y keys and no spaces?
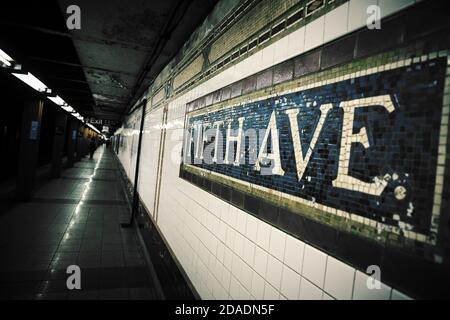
{"x":29,"y":148}
{"x":72,"y":142}
{"x":58,"y":144}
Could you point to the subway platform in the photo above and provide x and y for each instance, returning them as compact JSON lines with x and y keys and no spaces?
{"x":73,"y":220}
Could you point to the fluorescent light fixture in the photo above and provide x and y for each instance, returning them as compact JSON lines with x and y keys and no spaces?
{"x":78,"y":116}
{"x":4,"y":58}
{"x":60,"y":102}
{"x":68,"y":108}
{"x":93,"y":128}
{"x":38,"y":85}
{"x":32,"y":81}
{"x":57,"y":100}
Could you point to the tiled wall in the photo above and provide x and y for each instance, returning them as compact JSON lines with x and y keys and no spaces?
{"x":191,"y":70}
{"x":148,"y":171}
{"x":264,"y":12}
{"x":225,"y":251}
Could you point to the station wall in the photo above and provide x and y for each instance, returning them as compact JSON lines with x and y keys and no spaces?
{"x":357,"y":164}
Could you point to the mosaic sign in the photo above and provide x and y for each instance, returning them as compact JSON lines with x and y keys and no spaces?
{"x":364,"y":147}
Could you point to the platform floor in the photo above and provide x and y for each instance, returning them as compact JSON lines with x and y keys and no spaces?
{"x":73,"y":220}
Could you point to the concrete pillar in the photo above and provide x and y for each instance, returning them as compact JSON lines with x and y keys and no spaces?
{"x":58,"y":144}
{"x":29,"y":148}
{"x":72,"y":139}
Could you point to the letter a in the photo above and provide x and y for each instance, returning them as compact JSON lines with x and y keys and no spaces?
{"x":274,"y":156}
{"x":74,"y":20}
{"x":374,"y":17}
{"x":74,"y":280}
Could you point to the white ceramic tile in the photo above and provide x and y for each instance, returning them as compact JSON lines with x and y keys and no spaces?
{"x":339,"y":279}
{"x":230,"y":237}
{"x":314,"y":263}
{"x":260,"y":264}
{"x":257,"y":286}
{"x":293,"y":255}
{"x":241,"y":224}
{"x":396,"y":295}
{"x":243,"y":69}
{"x":308,"y":291}
{"x":251,"y":228}
{"x":218,"y":269}
{"x":210,"y":281}
{"x":246,"y":276}
{"x":229,"y":74}
{"x":357,"y":17}
{"x":234,"y":288}
{"x":263,"y":235}
{"x":244,"y":294}
{"x":267,"y":56}
{"x":211,"y":242}
{"x":215,"y":205}
{"x":362,"y":292}
{"x":232,"y":217}
{"x":215,"y":224}
{"x":250,"y":65}
{"x":389,"y":7}
{"x":222,"y":231}
{"x":270,"y":293}
{"x":277,"y":243}
{"x":290,"y":283}
{"x":249,"y":252}
{"x":296,"y":43}
{"x":336,"y":23}
{"x":239,"y":244}
{"x":226,"y":278}
{"x":281,"y":46}
{"x":274,"y":270}
{"x":327,"y":297}
{"x":224,"y":210}
{"x":236,"y":266}
{"x":220,"y":293}
{"x":314,"y":33}
{"x":227,"y":258}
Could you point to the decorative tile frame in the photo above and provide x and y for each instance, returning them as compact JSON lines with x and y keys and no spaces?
{"x":404,"y":57}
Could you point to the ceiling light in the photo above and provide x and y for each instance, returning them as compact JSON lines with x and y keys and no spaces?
{"x":75,"y":114}
{"x":5,"y":59}
{"x":78,"y":116}
{"x":57,"y":100}
{"x":32,"y":81}
{"x":37,"y":84}
{"x":93,"y":128}
{"x":68,"y":108}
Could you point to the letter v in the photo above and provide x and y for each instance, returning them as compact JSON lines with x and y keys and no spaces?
{"x":300,"y":160}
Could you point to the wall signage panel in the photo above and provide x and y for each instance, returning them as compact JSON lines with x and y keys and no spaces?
{"x":361,"y":152}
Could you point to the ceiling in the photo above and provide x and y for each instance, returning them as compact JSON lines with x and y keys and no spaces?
{"x":104,"y":67}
